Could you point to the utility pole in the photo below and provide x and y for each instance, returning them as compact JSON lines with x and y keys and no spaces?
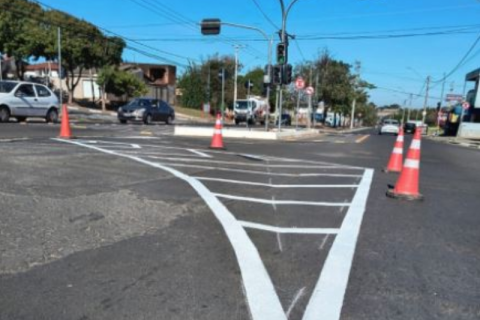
{"x":223,"y":95}
{"x":424,"y":113}
{"x":235,"y":89}
{"x":60,"y":65}
{"x":355,"y":85}
{"x":410,"y":106}
{"x":1,"y":70}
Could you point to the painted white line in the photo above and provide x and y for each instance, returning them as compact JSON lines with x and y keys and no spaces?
{"x":324,"y":242}
{"x":201,"y":154}
{"x":282,"y":202}
{"x":297,"y":297}
{"x":264,"y":227}
{"x":260,"y":292}
{"x":327,"y":299}
{"x":280,"y":174}
{"x":247,"y":164}
{"x":279,"y":241}
{"x":279,"y":186}
{"x":136,"y":146}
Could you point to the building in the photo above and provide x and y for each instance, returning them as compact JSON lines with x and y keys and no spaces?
{"x":473,"y":96}
{"x":160,"y":80}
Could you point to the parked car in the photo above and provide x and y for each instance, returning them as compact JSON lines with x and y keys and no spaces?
{"x":391,"y":126}
{"x":286,"y":120}
{"x":409,"y":127}
{"x":23,"y":100}
{"x":146,"y":110}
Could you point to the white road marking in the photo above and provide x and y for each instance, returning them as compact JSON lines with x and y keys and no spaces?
{"x":297,"y":297}
{"x":259,"y":290}
{"x":327,"y":299}
{"x":280,"y":174}
{"x":279,"y":230}
{"x":279,"y":241}
{"x":247,"y":164}
{"x":282,"y":202}
{"x":201,"y":154}
{"x":324,"y":242}
{"x":279,"y":186}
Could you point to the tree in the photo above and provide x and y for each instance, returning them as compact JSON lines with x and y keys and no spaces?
{"x":121,"y":83}
{"x":202,"y":83}
{"x":83,"y":47}
{"x":21,"y":36}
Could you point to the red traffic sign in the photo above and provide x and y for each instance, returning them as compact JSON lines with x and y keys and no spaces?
{"x":299,"y":83}
{"x":466,"y":105}
{"x":309,"y":91}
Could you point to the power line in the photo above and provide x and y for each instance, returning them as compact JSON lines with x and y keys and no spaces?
{"x":265,"y":15}
{"x":460,"y":64}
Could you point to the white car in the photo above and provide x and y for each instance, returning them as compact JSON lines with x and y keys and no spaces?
{"x":391,"y":126}
{"x":23,"y":100}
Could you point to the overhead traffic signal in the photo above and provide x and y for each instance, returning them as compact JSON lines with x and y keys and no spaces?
{"x":210,"y":26}
{"x":277,"y":74}
{"x":281,"y":53}
{"x":287,"y":74}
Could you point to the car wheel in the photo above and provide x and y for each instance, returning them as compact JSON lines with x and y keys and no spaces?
{"x":52,"y":116}
{"x":4,"y":114}
{"x":122,"y":121}
{"x":169,"y":120}
{"x":148,"y":119}
{"x":21,"y":119}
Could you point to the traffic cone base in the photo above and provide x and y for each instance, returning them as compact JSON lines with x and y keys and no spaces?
{"x":402,"y":196}
{"x":65,"y":132}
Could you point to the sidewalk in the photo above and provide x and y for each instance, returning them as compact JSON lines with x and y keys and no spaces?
{"x":469,"y":143}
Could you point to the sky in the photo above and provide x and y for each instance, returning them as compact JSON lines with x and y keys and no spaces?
{"x":399,"y":43}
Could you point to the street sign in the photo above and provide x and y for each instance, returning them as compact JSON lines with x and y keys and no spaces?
{"x":454,"y":97}
{"x":299,"y":83}
{"x":465,"y":105}
{"x":309,"y":91}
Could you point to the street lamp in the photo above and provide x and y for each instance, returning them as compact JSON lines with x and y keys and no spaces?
{"x":424,"y":113}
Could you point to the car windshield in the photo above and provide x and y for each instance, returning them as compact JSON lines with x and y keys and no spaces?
{"x":394,"y":122}
{"x":6,"y":86}
{"x":137,"y":103}
{"x":244,"y":104}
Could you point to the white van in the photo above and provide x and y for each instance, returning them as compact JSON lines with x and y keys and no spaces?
{"x":23,"y":100}
{"x":251,"y":110}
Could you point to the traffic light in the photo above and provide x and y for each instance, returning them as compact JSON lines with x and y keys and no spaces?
{"x":287,"y":73}
{"x":277,"y":74}
{"x":210,"y":27}
{"x":281,"y":53}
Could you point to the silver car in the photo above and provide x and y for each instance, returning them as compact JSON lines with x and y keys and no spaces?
{"x":23,"y":100}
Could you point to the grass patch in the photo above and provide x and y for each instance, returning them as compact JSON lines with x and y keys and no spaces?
{"x":190,"y":112}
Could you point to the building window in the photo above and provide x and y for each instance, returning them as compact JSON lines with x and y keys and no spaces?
{"x":157,"y":74}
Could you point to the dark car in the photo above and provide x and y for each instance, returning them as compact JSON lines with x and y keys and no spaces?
{"x":146,"y":110}
{"x":409,"y":127}
{"x":286,"y":120}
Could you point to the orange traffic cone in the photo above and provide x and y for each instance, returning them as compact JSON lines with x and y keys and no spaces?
{"x":65,"y":132}
{"x":407,"y":184}
{"x":396,"y":159}
{"x":217,"y":140}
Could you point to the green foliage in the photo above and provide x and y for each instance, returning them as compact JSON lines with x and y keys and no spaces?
{"x":121,"y":83}
{"x":193,"y":93}
{"x":336,"y":85}
{"x":27,"y":31}
{"x":194,"y":83}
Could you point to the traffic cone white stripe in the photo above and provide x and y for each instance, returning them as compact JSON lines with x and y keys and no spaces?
{"x":400,"y":139}
{"x":412,"y":164}
{"x":217,"y":131}
{"x":415,"y":145}
{"x":398,"y":150}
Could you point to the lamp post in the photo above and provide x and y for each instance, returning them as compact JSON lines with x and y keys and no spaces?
{"x":283,"y":39}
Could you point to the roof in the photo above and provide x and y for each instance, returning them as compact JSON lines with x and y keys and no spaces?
{"x":42,"y":66}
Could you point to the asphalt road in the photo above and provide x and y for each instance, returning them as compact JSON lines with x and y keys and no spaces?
{"x":130,"y":222}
